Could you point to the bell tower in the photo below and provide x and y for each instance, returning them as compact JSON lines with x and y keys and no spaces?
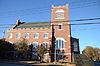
{"x":62,"y":33}
{"x":60,"y":13}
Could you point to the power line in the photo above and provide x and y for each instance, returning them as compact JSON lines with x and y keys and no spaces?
{"x":58,"y":24}
{"x":5,"y":27}
{"x":67,"y":21}
{"x":86,"y":23}
{"x":44,"y":9}
{"x":15,"y":14}
{"x":67,"y":30}
{"x":93,"y":3}
{"x":40,"y":8}
{"x":6,"y":24}
{"x":85,"y":29}
{"x":62,"y":21}
{"x":84,"y":19}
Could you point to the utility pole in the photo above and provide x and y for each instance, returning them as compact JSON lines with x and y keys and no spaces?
{"x":55,"y":52}
{"x":53,"y":46}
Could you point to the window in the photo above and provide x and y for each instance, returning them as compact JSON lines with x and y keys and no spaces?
{"x":45,"y":35}
{"x":60,"y":57}
{"x":27,"y":35}
{"x":45,"y":44}
{"x":75,"y":46}
{"x":35,"y":45}
{"x":60,"y":14}
{"x":59,"y":26}
{"x":59,"y":44}
{"x":36,"y":35}
{"x":18,"y":35}
{"x":10,"y":35}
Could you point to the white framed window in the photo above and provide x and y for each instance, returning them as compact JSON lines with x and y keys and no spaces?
{"x":35,"y":45}
{"x":36,"y":35}
{"x":59,"y":44}
{"x":60,"y":14}
{"x":27,"y":35}
{"x":45,"y":44}
{"x":18,"y":35}
{"x":10,"y":35}
{"x":45,"y":35}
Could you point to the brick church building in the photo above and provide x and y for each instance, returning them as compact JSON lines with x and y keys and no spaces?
{"x":38,"y":33}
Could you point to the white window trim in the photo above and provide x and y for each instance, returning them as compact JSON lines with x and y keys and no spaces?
{"x":60,"y":38}
{"x":36,"y":42}
{"x":58,"y":42}
{"x":61,"y":46}
{"x":58,"y":11}
{"x":47,"y":43}
{"x":19,"y":34}
{"x":47,"y":34}
{"x":28,"y":36}
{"x":59,"y":18}
{"x":61,"y":27}
{"x":11,"y":35}
{"x":36,"y":37}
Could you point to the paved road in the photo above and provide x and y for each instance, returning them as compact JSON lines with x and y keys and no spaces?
{"x":10,"y":64}
{"x":21,"y":64}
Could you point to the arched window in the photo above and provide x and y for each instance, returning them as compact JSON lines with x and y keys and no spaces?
{"x":35,"y":45}
{"x":45,"y":44}
{"x":60,"y":14}
{"x":59,"y":44}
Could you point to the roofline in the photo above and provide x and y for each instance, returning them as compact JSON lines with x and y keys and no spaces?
{"x":37,"y":22}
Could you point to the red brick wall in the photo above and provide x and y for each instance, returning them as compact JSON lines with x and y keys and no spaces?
{"x":64,"y":33}
{"x":31,"y":38}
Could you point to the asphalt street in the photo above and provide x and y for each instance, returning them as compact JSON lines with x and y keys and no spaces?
{"x":22,"y":64}
{"x":10,"y":64}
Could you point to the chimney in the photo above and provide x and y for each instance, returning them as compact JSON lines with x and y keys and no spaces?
{"x":18,"y":22}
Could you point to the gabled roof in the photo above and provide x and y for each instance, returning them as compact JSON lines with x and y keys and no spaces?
{"x":33,"y":25}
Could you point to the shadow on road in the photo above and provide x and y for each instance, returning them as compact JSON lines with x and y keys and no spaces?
{"x":26,"y":64}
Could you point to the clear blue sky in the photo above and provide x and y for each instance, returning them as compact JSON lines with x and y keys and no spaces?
{"x":40,"y":10}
